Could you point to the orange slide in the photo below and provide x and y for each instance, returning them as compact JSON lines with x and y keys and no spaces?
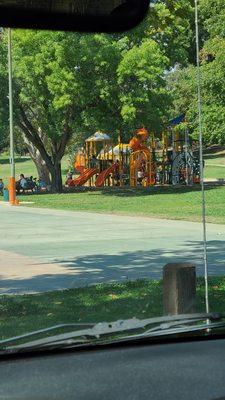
{"x":88,"y":173}
{"x":103,"y":175}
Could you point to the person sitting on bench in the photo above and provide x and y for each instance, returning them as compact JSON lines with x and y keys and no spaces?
{"x":1,"y":186}
{"x":21,"y":184}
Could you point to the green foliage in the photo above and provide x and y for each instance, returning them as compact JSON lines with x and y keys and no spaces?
{"x":143,"y":94}
{"x":43,"y":81}
{"x":182,"y":82}
{"x":184,"y":90}
{"x":213,"y":17}
{"x":86,"y":82}
{"x":81,"y":78}
{"x":83,"y":81}
{"x":68,"y":85}
{"x":170,"y":24}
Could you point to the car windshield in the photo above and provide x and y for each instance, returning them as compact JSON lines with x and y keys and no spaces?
{"x":112,"y":167}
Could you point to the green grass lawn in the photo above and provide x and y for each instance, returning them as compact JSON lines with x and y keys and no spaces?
{"x":215,"y":165}
{"x":167,"y":202}
{"x":214,"y":172}
{"x":104,"y":302}
{"x":216,"y":158}
{"x":24,"y":165}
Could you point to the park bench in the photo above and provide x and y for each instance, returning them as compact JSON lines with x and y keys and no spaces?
{"x":29,"y":188}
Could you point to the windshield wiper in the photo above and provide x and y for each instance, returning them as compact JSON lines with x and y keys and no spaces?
{"x":166,"y":325}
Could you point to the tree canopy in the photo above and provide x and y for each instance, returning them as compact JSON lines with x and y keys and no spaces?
{"x":183,"y":81}
{"x":68,"y":85}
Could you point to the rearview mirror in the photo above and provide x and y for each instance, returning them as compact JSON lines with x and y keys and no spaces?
{"x":74,"y":15}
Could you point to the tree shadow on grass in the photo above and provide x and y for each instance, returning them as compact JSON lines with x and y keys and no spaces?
{"x":4,"y":161}
{"x":105,"y":268}
{"x":213,"y":156}
{"x":155,"y":190}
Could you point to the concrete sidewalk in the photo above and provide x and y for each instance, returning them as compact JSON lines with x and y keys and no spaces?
{"x":48,"y":249}
{"x":22,"y":274}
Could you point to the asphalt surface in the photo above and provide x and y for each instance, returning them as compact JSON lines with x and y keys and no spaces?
{"x":45,"y":250}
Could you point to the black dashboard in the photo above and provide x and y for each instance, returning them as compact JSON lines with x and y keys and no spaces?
{"x":176,"y":371}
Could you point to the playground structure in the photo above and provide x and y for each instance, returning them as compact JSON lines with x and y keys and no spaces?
{"x":80,"y":162}
{"x":142,"y":168}
{"x":100,"y":167}
{"x":145,"y":161}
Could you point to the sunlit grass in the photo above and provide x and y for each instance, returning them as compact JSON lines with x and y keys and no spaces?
{"x":168,"y":202}
{"x":103,"y":302}
{"x":214,"y":172}
{"x":24,"y":165}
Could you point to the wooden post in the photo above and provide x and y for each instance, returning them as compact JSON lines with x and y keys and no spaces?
{"x":179,"y":288}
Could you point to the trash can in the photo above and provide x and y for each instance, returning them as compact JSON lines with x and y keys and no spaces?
{"x":6,"y":194}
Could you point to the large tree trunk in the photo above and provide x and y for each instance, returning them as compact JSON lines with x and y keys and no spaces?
{"x":35,"y":155}
{"x":56,"y":178}
{"x":43,"y":171}
{"x":38,"y":141}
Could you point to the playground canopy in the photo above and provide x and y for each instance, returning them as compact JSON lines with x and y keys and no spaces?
{"x":177,"y":120}
{"x":116,"y":151}
{"x":98,"y":137}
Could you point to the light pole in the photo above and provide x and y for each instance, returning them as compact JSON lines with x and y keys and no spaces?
{"x":12,"y":185}
{"x":200,"y":128}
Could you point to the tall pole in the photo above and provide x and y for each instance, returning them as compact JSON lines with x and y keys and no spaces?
{"x":186,"y":153}
{"x":204,"y":238}
{"x":12,"y":194}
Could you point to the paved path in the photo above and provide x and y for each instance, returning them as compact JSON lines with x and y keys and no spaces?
{"x":49,"y":249}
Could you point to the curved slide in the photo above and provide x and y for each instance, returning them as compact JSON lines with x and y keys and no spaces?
{"x":83,"y":178}
{"x":103,"y":175}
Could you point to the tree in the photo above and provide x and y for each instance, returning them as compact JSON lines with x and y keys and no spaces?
{"x":68,"y":85}
{"x":41,"y":113}
{"x":212,"y":14}
{"x":45,"y":107}
{"x":170,"y":23}
{"x":143,"y":95}
{"x":182,"y":82}
{"x":35,"y":155}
